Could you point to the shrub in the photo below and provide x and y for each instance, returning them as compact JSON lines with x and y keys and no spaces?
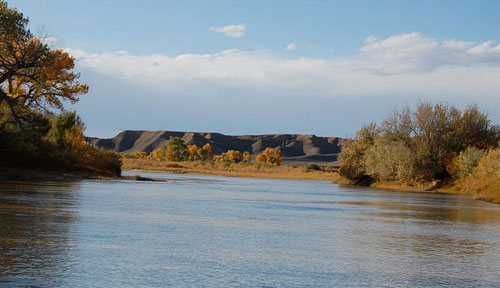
{"x":353,"y":152}
{"x":484,"y":181}
{"x":313,"y":166}
{"x":419,"y":144}
{"x":66,"y":130}
{"x":389,"y":160}
{"x":465,"y":163}
{"x":135,"y":155}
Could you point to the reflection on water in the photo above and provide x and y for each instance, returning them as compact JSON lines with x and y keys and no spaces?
{"x":206,"y":231}
{"x":36,"y":220}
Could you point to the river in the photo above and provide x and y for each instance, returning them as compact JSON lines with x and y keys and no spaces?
{"x":209,"y":231}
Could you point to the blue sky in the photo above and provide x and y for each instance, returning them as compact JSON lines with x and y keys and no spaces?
{"x":252,"y":67}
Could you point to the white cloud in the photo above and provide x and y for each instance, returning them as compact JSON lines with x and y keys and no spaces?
{"x":400,"y":68}
{"x":291,"y":47}
{"x":234,"y":31}
{"x":416,"y":53}
{"x":409,"y":63}
{"x":189,"y":87}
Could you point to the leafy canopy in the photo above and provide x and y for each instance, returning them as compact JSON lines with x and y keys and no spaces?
{"x":32,"y":74}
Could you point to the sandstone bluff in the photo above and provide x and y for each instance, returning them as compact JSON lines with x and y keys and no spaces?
{"x":295,"y":147}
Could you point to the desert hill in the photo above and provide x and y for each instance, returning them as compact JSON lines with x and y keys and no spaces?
{"x":295,"y":147}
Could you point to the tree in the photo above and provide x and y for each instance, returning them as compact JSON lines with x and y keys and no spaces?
{"x":32,"y":75}
{"x":274,"y":156}
{"x":158,"y":154}
{"x":176,"y":149}
{"x":271,"y":156}
{"x":261,"y":158}
{"x":247,"y":157}
{"x":35,"y":80}
{"x":206,"y":152}
{"x":434,"y":131}
{"x":418,"y":145}
{"x":193,"y":152}
{"x":233,"y":156}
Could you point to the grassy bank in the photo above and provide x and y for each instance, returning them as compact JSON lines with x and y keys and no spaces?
{"x":485,"y":187}
{"x":226,"y":169}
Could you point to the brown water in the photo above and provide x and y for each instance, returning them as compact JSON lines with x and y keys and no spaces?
{"x":205,"y":231}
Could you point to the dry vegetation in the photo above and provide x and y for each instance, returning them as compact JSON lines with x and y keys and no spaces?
{"x":484,"y":180}
{"x":258,"y":170}
{"x":178,"y":157}
{"x":434,"y":147}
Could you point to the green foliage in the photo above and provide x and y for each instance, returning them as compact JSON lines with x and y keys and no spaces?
{"x":66,"y":129}
{"x":313,"y":166}
{"x":13,"y":140}
{"x":176,"y":150}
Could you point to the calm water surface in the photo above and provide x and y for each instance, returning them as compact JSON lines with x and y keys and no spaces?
{"x":205,"y":231}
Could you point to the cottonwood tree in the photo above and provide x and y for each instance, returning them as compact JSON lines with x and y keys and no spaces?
{"x":176,"y":149}
{"x":32,"y":74}
{"x":271,"y":156}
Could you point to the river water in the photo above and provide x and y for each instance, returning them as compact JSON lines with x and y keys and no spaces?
{"x":207,"y":231}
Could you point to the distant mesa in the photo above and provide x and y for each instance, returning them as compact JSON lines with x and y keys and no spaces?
{"x":296,"y":148}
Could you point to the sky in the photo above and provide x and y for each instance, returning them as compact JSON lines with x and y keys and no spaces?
{"x":266,"y":67}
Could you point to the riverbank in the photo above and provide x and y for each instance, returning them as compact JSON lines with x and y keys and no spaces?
{"x":43,"y":175}
{"x":479,"y":191}
{"x":230,"y":169}
{"x":57,"y":175}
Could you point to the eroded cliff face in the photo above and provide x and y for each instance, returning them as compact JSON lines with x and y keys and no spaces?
{"x":295,"y":147}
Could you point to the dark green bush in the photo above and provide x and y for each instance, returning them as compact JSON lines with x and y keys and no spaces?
{"x":313,"y":166}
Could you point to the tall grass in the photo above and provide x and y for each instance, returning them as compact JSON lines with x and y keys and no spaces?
{"x":94,"y":159}
{"x":258,"y":170}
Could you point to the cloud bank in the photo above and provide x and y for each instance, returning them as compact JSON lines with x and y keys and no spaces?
{"x":385,"y":72}
{"x":409,"y":63}
{"x":416,"y":53}
{"x":234,"y":31}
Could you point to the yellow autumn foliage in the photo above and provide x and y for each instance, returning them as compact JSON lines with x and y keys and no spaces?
{"x":271,"y":156}
{"x":158,"y":154}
